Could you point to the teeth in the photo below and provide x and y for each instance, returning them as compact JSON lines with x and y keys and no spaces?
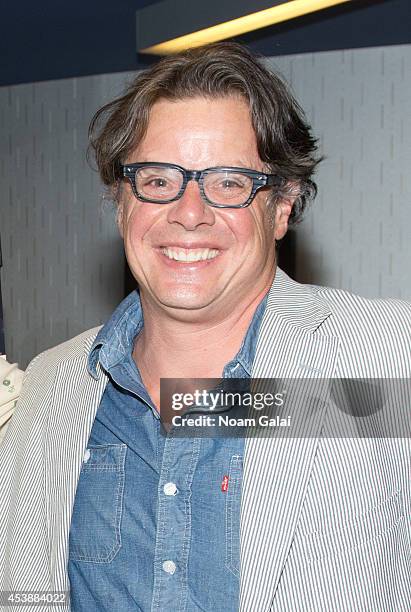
{"x":189,"y":254}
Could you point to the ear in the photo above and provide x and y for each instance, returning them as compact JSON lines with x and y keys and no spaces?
{"x":282,"y":215}
{"x":119,"y":218}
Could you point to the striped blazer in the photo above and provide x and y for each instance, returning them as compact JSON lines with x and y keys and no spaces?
{"x":325,"y":521}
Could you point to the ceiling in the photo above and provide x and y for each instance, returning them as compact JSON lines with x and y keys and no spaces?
{"x":55,"y":39}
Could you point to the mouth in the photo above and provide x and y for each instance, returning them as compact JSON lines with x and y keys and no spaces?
{"x":189,"y":255}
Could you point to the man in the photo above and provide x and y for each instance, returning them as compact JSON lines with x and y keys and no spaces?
{"x":209,"y":159}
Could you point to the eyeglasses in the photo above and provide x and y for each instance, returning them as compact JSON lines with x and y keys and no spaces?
{"x":221,"y":187}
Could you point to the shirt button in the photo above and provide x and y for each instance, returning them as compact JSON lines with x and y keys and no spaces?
{"x":169,"y":567}
{"x":86,"y":456}
{"x":170,"y":488}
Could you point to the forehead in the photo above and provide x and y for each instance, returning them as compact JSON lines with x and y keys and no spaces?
{"x":200,"y":130}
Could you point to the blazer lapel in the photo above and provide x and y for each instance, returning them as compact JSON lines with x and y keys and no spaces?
{"x":277,"y":469}
{"x":77,"y":396}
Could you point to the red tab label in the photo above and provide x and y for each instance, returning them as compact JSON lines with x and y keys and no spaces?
{"x":224,"y":484}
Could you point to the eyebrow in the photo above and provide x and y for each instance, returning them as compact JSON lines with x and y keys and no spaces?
{"x":236,"y":164}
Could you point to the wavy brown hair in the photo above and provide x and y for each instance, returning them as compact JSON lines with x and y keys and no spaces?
{"x":284,"y":139}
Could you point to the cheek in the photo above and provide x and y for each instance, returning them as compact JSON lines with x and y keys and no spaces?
{"x":137,"y":224}
{"x":248,"y":226}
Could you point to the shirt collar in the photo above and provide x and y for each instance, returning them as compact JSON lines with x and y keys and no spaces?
{"x":246,"y":354}
{"x":115,"y":339}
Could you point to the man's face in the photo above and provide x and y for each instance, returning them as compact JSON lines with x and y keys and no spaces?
{"x":198,"y":133}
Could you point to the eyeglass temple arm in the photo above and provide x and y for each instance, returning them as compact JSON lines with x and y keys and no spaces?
{"x":275,"y":180}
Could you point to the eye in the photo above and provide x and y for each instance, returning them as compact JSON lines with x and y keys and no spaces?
{"x":228,"y":184}
{"x":220,"y":180}
{"x":231,"y":184}
{"x":156,"y":182}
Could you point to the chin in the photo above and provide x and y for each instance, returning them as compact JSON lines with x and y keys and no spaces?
{"x":194,"y":304}
{"x":186,"y":300}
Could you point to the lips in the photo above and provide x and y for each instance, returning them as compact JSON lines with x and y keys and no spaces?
{"x":189,"y":255}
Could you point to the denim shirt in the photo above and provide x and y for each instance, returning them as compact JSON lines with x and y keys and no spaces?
{"x":153,"y":526}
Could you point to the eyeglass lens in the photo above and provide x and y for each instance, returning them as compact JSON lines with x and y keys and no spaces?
{"x":159,"y":184}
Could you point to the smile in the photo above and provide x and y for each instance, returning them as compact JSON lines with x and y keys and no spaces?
{"x":188,"y":255}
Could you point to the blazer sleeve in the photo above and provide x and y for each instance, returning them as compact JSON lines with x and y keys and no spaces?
{"x":11,"y":379}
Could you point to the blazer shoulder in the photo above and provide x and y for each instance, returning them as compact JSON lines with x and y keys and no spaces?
{"x":32,"y":405}
{"x":374,"y":334}
{"x":74,"y":348}
{"x":358,"y":310}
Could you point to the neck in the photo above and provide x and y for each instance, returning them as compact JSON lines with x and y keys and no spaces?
{"x":170,"y":348}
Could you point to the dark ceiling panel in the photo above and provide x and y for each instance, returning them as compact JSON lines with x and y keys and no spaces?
{"x":43,"y":41}
{"x":192,"y":16}
{"x":364,"y":23}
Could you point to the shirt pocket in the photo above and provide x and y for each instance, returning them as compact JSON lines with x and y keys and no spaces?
{"x":232,"y":515}
{"x":95,"y":525}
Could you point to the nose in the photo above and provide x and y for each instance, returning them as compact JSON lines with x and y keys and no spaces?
{"x":190,"y":210}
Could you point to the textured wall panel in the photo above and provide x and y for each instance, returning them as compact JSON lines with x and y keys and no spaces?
{"x":62,"y":255}
{"x":357,"y":234}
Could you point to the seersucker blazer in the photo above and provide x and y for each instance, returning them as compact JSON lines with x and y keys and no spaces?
{"x":325,"y":521}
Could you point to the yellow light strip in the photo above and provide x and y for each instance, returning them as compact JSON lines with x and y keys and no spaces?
{"x":241,"y":25}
